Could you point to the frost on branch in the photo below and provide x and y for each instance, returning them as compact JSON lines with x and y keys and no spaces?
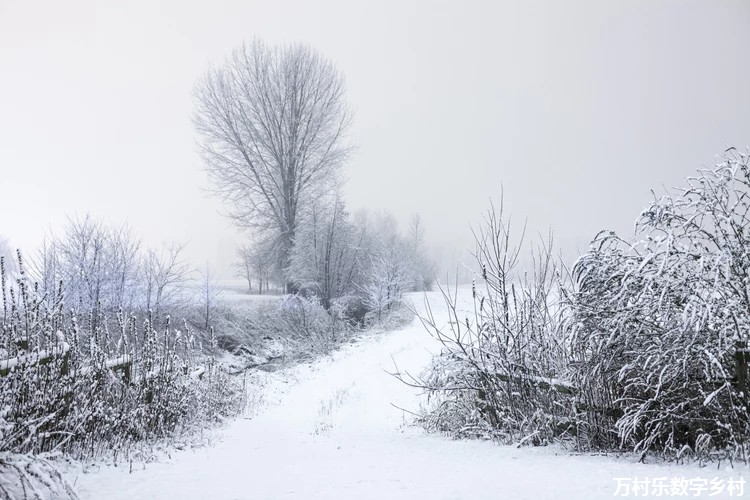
{"x":91,"y":385}
{"x":644,"y":349}
{"x":656,"y":326}
{"x":504,"y":355}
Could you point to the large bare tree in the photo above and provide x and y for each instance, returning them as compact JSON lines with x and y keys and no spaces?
{"x":273,"y":122}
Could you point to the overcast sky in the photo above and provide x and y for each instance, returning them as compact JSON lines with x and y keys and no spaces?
{"x":577,"y":108}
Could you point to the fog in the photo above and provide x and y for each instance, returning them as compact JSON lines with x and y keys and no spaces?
{"x":575,"y":109}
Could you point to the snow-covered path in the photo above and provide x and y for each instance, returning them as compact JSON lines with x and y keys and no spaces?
{"x":335,"y":433}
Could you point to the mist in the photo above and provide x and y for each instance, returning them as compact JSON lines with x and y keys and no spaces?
{"x":575,"y":111}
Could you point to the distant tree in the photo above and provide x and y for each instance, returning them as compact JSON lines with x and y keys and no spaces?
{"x":99,"y":264}
{"x":388,"y":266}
{"x":124,"y":265}
{"x":328,"y":253}
{"x":388,"y":276}
{"x":257,"y":260}
{"x":8,"y":255}
{"x":210,"y":295}
{"x":106,"y":266}
{"x":45,"y":266}
{"x":273,"y":122}
{"x":265,"y":262}
{"x":416,"y":233}
{"x":244,"y":265}
{"x":163,"y":271}
{"x":424,"y":267}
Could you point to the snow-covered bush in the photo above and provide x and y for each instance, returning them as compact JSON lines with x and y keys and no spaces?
{"x":388,"y":277}
{"x":504,"y":351}
{"x":658,"y":326}
{"x":88,"y":384}
{"x":307,"y":319}
{"x":643,"y":349}
{"x":351,"y":307}
{"x":283,"y":330}
{"x":24,"y":477}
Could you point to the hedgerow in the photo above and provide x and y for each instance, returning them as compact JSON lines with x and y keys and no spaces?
{"x":642,"y":347}
{"x":89,"y":384}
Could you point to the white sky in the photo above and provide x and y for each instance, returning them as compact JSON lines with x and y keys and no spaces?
{"x":577,"y":108}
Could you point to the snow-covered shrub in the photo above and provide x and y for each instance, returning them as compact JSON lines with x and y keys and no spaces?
{"x":306,"y":318}
{"x":88,"y":384}
{"x":657,"y":325}
{"x":645,"y":349}
{"x":239,"y":325}
{"x":504,"y":353}
{"x":24,"y":477}
{"x":399,"y":316}
{"x":388,"y":277}
{"x":351,"y":307}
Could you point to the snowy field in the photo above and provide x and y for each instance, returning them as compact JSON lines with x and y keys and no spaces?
{"x":334,"y":430}
{"x":226,"y":291}
{"x":233,"y":290}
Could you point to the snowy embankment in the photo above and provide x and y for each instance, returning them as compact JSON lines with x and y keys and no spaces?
{"x":334,"y":429}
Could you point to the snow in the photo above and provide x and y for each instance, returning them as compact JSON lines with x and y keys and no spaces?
{"x":333,"y":429}
{"x":33,"y":358}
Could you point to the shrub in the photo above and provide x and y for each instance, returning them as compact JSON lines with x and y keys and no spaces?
{"x":352,"y":308}
{"x":644,"y":351}
{"x":503,"y":351}
{"x":81,"y":388}
{"x":307,"y":319}
{"x":657,"y":325}
{"x":23,"y":477}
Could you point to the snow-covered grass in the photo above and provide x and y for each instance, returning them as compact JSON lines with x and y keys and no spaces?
{"x":369,"y":450}
{"x":92,"y":385}
{"x":23,"y":476}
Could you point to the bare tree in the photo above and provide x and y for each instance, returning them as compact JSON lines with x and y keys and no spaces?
{"x":273,"y":122}
{"x":388,"y":276}
{"x":416,"y":233}
{"x":244,"y":265}
{"x":45,"y":265}
{"x":424,"y":267}
{"x":264,"y":259}
{"x":124,"y":265}
{"x":98,"y":263}
{"x":257,"y":260}
{"x":328,"y":253}
{"x":163,"y":272}
{"x":210,"y":295}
